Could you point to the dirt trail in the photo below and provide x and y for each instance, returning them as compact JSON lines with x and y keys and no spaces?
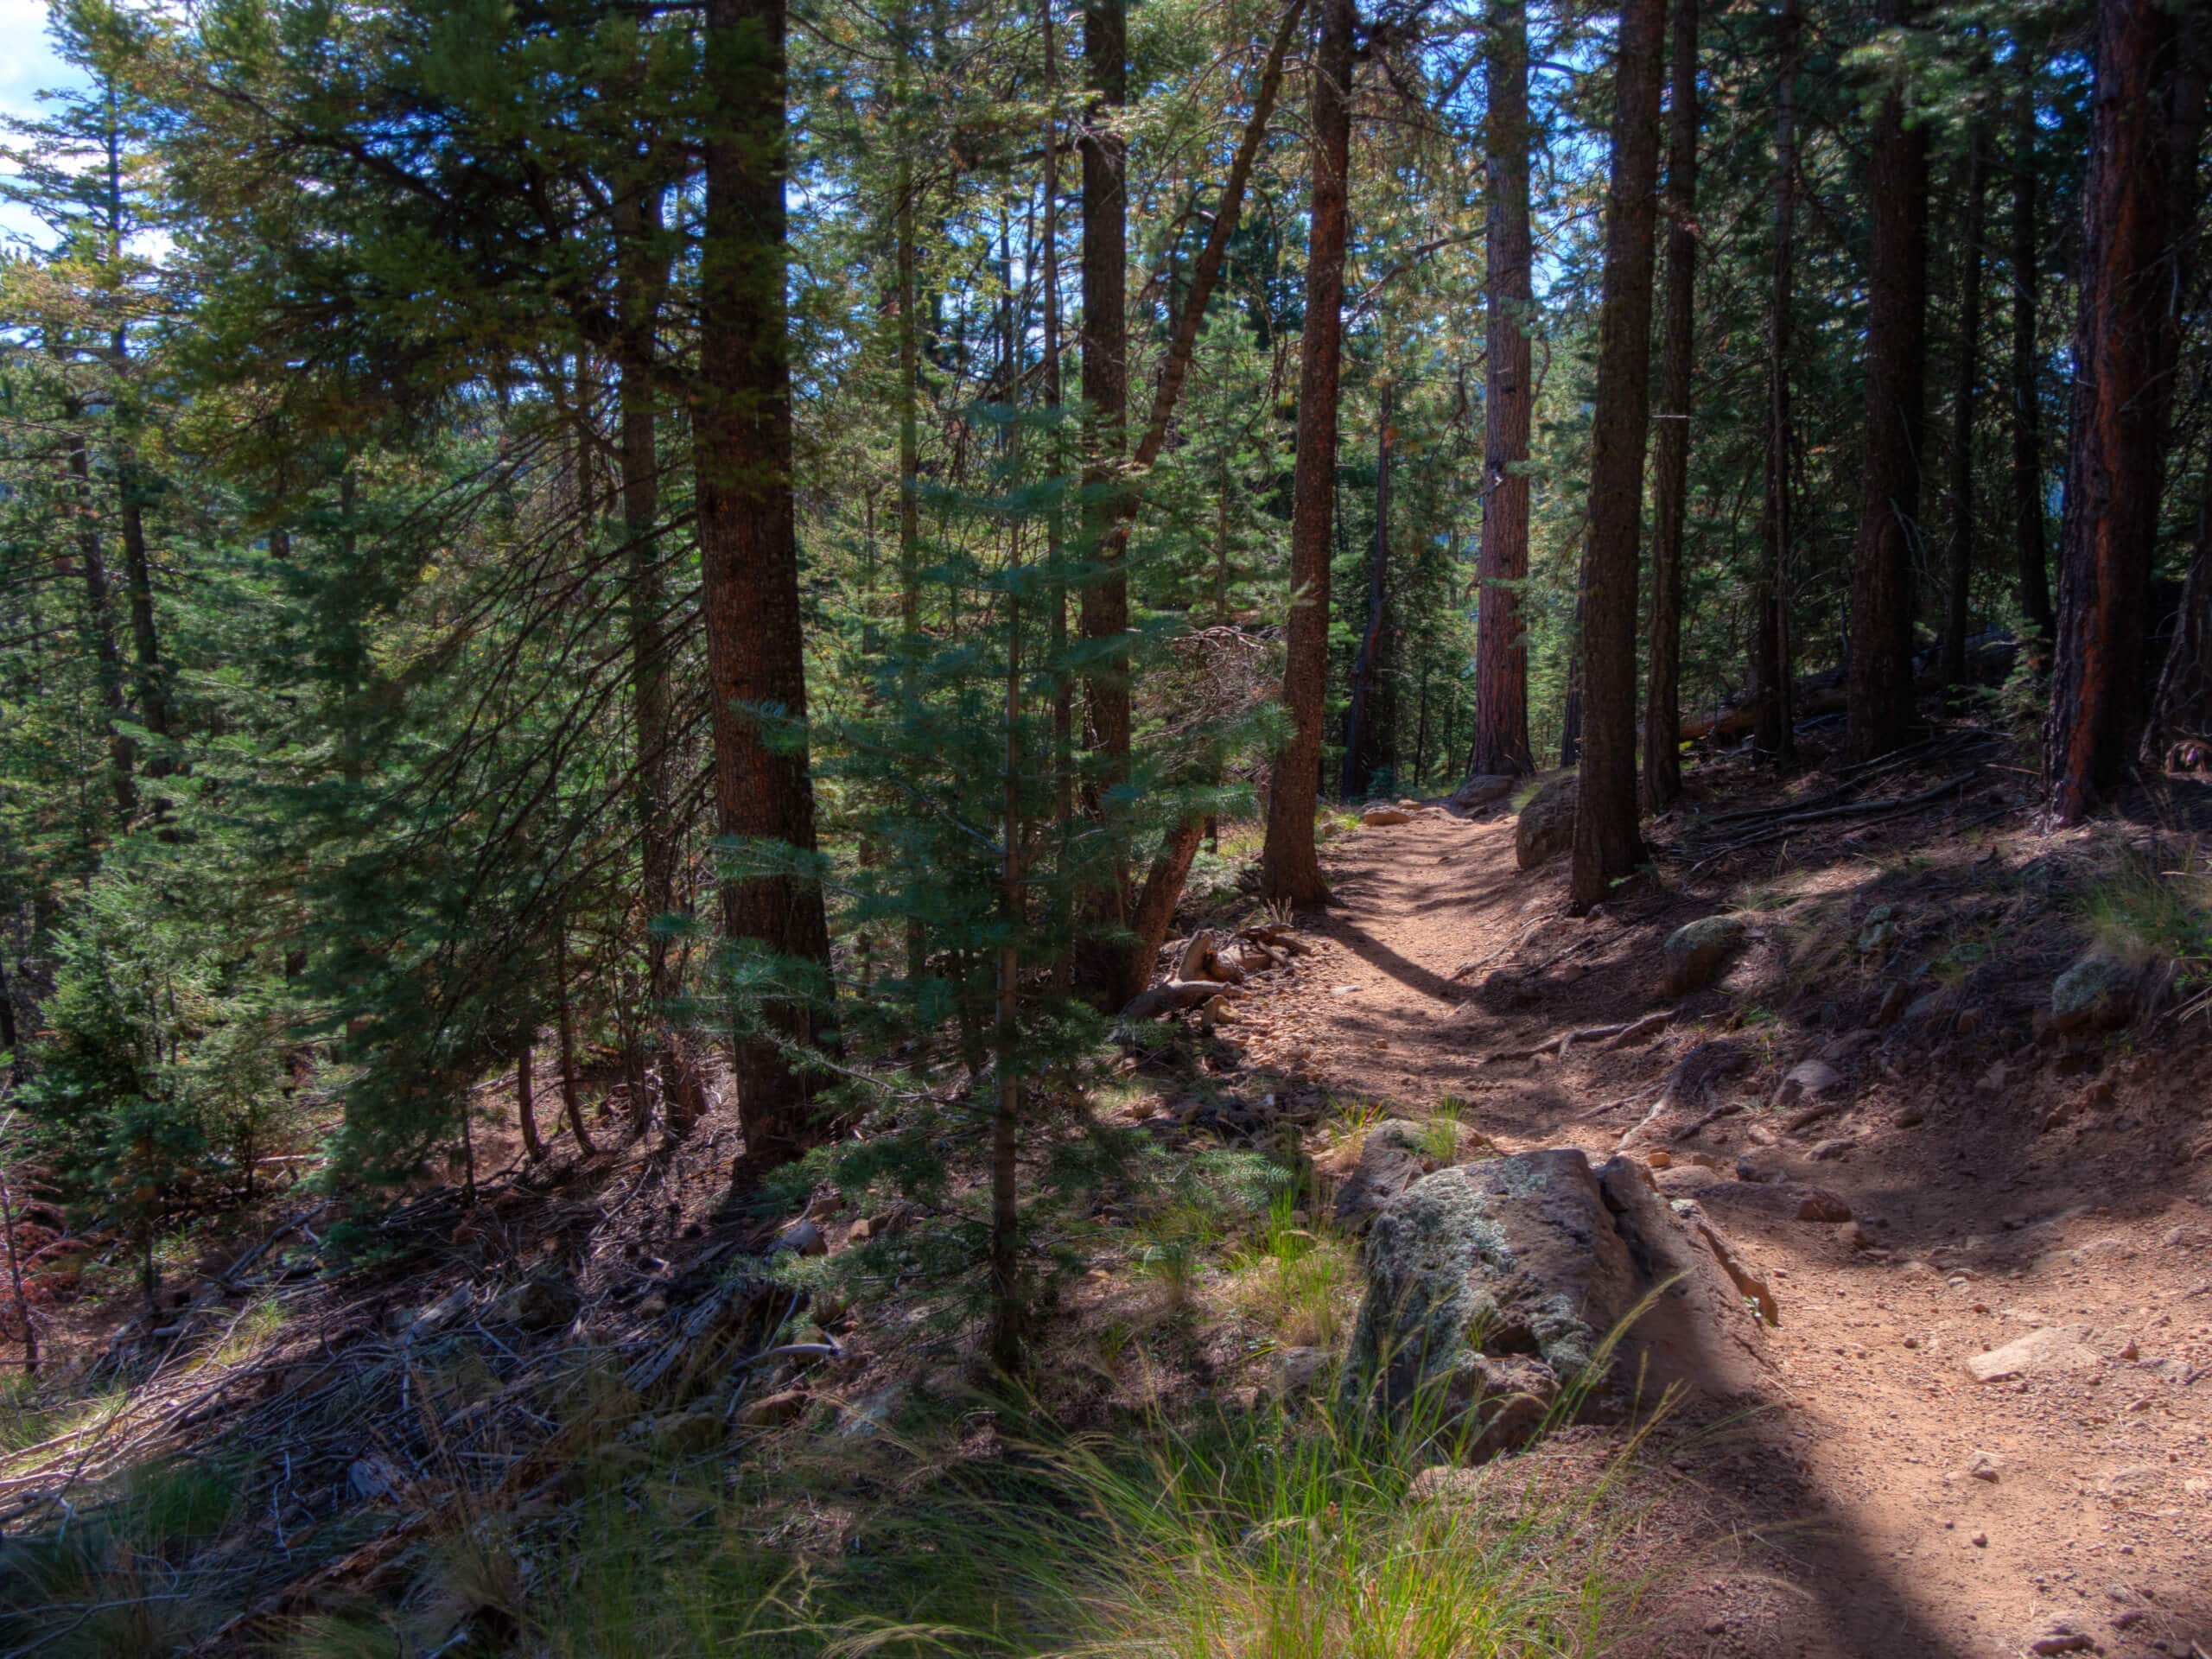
{"x":1865,"y":1527}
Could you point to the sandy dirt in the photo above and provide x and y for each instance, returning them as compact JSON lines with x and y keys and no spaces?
{"x":1883,"y":1501}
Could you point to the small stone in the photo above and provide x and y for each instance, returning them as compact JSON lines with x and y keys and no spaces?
{"x":1818,"y":1204}
{"x":2054,"y":1348}
{"x":1984,"y":1465}
{"x":2099,"y":989}
{"x":1854,"y":1237}
{"x":802,"y":1237}
{"x":2069,"y":1643}
{"x":1808,"y":1080}
{"x":774,"y":1410}
{"x":1879,"y":931}
{"x":1982,"y":1541}
{"x":1911,"y":1118}
{"x":1699,"y":953}
{"x":1660,"y":1160}
{"x":1828,"y":1151}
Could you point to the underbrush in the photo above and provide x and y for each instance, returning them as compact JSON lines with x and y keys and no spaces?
{"x":1265,"y":1536}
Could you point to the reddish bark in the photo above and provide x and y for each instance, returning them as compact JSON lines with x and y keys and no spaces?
{"x":1774,"y":721}
{"x":1500,"y":739}
{"x":1370,"y":720}
{"x":1607,"y":842}
{"x":2029,"y":552}
{"x":1879,"y":680}
{"x":1670,"y":464}
{"x":1288,"y":868}
{"x":2147,"y":112}
{"x":741,"y":427}
{"x":1963,"y":394}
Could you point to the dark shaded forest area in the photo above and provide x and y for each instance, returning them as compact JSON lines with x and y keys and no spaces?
{"x":626,"y":628}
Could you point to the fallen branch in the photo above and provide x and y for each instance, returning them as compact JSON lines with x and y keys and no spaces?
{"x":1726,"y":1109}
{"x":1175,"y":995}
{"x":1812,"y":1114}
{"x":1785,"y":826}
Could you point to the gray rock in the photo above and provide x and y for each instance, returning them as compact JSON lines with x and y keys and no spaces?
{"x":1518,"y":1254}
{"x":1482,"y":792}
{"x":2054,"y":1348}
{"x":1699,"y":953}
{"x":1930,"y":1005}
{"x":1298,"y":1372}
{"x":1808,"y":1080}
{"x":1546,"y":828}
{"x":1879,"y":931}
{"x":1391,"y":1160}
{"x":2099,"y":989}
{"x":1697,"y":1332}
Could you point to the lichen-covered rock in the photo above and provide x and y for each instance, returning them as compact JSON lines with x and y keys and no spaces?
{"x":2099,"y":989}
{"x":1391,"y":1159}
{"x":1879,"y":931}
{"x":1697,"y":953}
{"x":1482,"y":792}
{"x":1546,"y":828}
{"x":1511,"y":1255}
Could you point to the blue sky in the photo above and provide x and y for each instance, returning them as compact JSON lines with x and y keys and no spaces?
{"x":26,"y":64}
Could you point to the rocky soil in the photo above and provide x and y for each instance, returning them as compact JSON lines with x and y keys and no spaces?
{"x":1985,"y":1424}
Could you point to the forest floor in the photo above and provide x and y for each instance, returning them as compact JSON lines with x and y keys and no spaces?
{"x":1883,"y":1502}
{"x":502,"y":1422}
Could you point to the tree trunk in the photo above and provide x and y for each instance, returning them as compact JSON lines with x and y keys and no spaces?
{"x":572,"y":1093}
{"x":100,"y":614}
{"x":1289,"y":867}
{"x":1063,"y":827}
{"x":1007,"y":1298}
{"x":1105,"y":607}
{"x":910,"y":456}
{"x":1774,"y":725}
{"x":152,"y":676}
{"x":1963,"y":393}
{"x":533,"y":1144}
{"x":1880,"y":681}
{"x":1670,"y":466}
{"x":741,"y":425}
{"x":2148,"y":111}
{"x":1119,"y":973}
{"x":2027,"y":399}
{"x":1607,"y":843}
{"x":643,"y":276}
{"x":1570,"y":713}
{"x":1501,"y":737}
{"x":1366,"y":720}
{"x":2183,"y":704}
